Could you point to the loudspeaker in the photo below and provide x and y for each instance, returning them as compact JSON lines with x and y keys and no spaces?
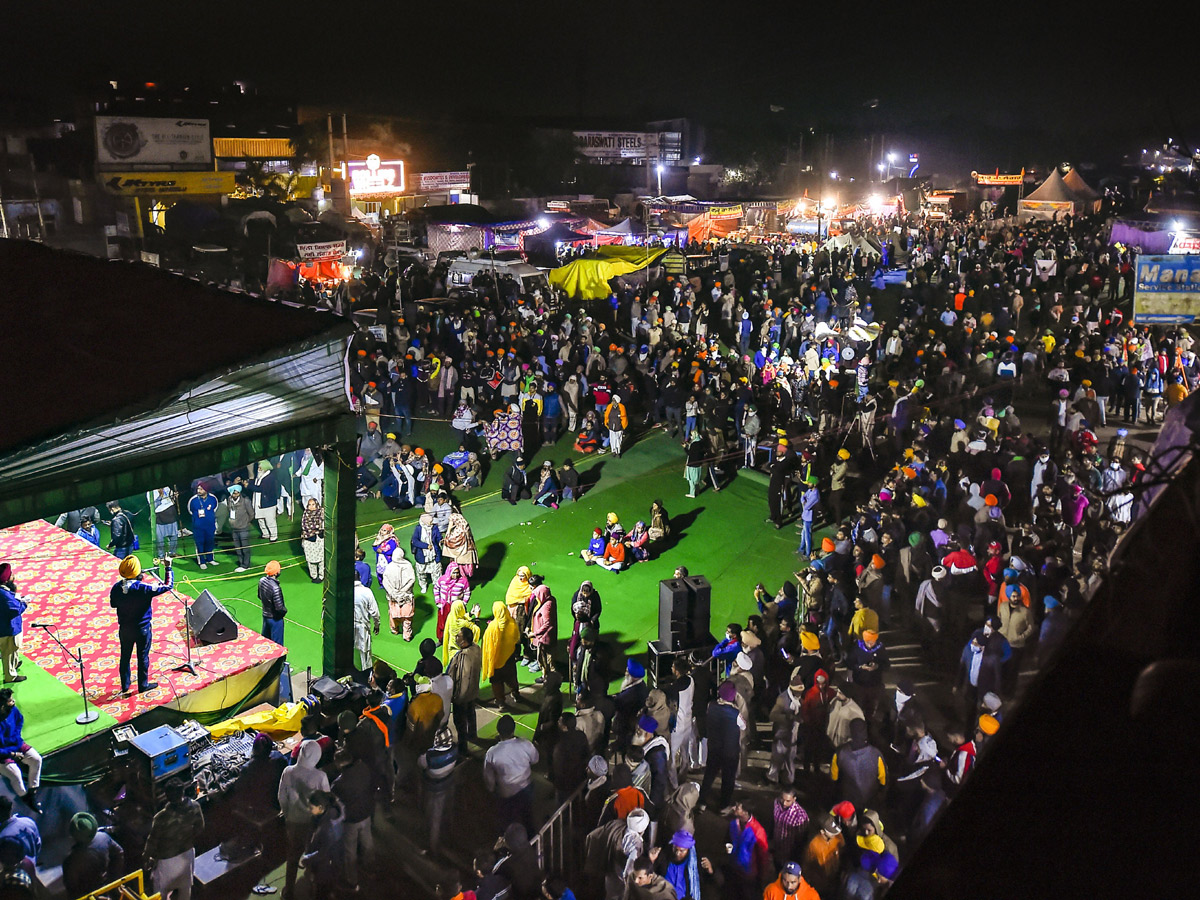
{"x":683,"y":612}
{"x":700,"y":612}
{"x":210,"y":622}
{"x":672,"y":613}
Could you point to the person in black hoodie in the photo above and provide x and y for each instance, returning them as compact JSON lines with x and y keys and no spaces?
{"x":355,"y":789}
{"x":519,"y":864}
{"x":323,"y":858}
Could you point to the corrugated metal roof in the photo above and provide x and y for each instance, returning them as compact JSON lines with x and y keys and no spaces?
{"x":88,"y":340}
{"x":305,"y":384}
{"x":255,"y":148}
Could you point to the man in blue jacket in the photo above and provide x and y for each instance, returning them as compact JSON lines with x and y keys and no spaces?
{"x":133,"y":600}
{"x":203,"y":510}
{"x":15,"y":752}
{"x":12,"y":605}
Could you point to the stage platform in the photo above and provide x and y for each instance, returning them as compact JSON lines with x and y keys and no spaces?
{"x":67,"y":582}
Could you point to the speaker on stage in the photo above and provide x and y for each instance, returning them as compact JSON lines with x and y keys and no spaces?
{"x":683,"y":612}
{"x":210,"y":622}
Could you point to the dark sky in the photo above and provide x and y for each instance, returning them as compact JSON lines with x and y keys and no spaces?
{"x":1015,"y":77}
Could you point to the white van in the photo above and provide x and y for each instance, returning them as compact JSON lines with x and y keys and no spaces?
{"x":530,"y":278}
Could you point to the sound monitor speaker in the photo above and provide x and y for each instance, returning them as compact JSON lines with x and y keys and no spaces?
{"x":210,"y":622}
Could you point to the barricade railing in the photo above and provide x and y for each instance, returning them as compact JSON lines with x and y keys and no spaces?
{"x":559,"y":843}
{"x":127,"y":887}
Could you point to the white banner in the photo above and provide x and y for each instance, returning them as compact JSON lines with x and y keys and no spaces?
{"x":1184,"y":243}
{"x":1046,"y":268}
{"x":125,"y":141}
{"x":445,"y":181}
{"x":321,"y":250}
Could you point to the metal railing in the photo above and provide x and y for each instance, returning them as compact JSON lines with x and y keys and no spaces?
{"x":127,"y":887}
{"x":559,"y":843}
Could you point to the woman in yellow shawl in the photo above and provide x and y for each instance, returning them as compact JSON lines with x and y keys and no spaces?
{"x":456,"y":620}
{"x":500,"y":642}
{"x":516,"y":598}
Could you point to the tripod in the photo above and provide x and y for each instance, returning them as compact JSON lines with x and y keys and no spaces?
{"x":88,"y":715}
{"x":864,"y":424}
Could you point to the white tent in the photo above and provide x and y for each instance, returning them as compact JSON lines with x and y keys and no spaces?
{"x":1060,"y":195}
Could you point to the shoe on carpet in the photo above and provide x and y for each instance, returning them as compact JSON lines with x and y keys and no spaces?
{"x":146,"y":688}
{"x":203,"y":565}
{"x":240,"y":569}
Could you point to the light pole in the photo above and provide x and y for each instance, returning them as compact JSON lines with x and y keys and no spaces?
{"x":658,"y":169}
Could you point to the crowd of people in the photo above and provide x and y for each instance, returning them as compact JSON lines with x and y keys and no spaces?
{"x":889,"y":424}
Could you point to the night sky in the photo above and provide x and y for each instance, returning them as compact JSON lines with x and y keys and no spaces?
{"x":995,"y":82}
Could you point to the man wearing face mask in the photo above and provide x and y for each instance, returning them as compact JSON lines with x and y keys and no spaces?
{"x":1044,"y":472}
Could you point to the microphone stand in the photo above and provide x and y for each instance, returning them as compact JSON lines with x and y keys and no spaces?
{"x":186,"y":666}
{"x":187,"y":637}
{"x":88,"y":715}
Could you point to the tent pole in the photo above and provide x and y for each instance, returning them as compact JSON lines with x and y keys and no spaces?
{"x":337,"y":607}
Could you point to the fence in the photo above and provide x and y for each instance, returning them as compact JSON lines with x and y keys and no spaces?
{"x":559,"y":843}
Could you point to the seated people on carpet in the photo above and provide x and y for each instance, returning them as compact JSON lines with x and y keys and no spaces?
{"x":614,"y":558}
{"x":568,"y":479}
{"x":638,"y":541}
{"x":545,"y":493}
{"x":595,"y":548}
{"x":660,"y":522}
{"x":588,"y":439}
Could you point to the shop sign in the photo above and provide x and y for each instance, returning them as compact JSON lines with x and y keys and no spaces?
{"x":123,"y":142}
{"x":376,"y":176}
{"x":321,"y":250}
{"x":139,"y":184}
{"x":615,"y":144}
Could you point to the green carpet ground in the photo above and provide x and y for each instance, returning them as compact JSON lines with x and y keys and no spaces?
{"x":720,"y":535}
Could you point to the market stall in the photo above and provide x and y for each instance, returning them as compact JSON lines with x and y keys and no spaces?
{"x":1060,"y":195}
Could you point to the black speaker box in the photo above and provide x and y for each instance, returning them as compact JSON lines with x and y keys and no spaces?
{"x":210,"y":622}
{"x":672,"y":613}
{"x":683,"y":612}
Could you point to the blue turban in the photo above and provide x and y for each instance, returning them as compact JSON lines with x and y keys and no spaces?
{"x":635,"y":668}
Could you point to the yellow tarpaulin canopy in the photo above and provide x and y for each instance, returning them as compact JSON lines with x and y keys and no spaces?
{"x":587,"y":279}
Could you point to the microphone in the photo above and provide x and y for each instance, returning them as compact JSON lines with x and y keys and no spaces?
{"x":41,"y":625}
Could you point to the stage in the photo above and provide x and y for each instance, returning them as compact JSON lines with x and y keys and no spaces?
{"x":66,"y":581}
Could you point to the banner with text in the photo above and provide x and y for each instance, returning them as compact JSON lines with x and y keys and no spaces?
{"x":725,"y":212}
{"x":433,"y":182}
{"x":131,"y":141}
{"x":1167,"y":289}
{"x":321,"y":250}
{"x":144,"y":184}
{"x":998,"y":180}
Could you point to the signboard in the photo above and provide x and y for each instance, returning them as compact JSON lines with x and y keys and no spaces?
{"x":434,"y":182}
{"x":150,"y":259}
{"x":725,"y":212}
{"x":124,"y":142}
{"x":1167,"y":289}
{"x":614,"y":144}
{"x":144,"y":184}
{"x":321,"y":250}
{"x":376,"y":176}
{"x":1184,"y":243}
{"x":998,"y":180}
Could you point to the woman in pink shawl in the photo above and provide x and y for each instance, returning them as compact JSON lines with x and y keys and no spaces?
{"x":543,"y":627}
{"x":452,"y":585}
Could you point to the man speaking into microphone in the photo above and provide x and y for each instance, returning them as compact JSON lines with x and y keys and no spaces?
{"x":133,"y":598}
